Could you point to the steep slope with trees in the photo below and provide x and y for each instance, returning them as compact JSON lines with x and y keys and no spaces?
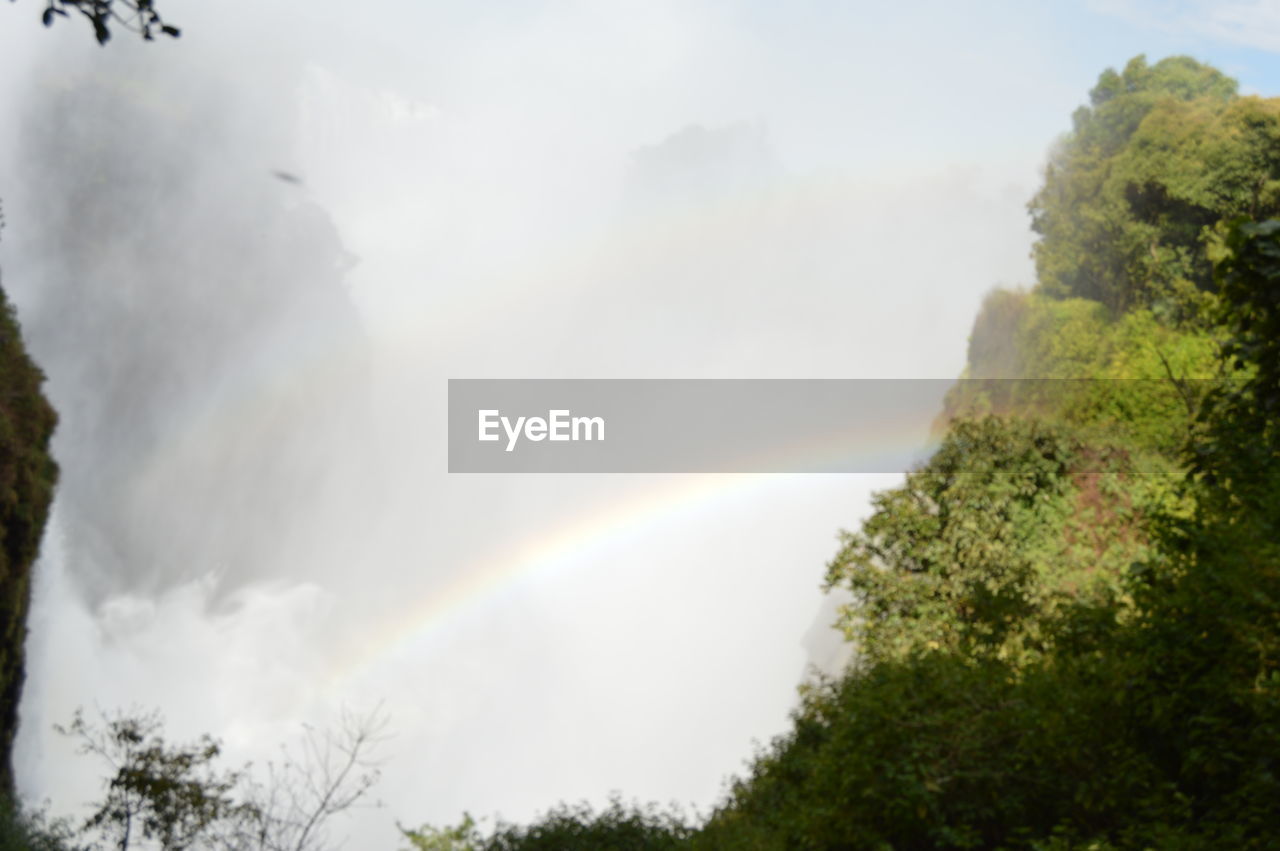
{"x":27,"y":477}
{"x":1065,"y":620}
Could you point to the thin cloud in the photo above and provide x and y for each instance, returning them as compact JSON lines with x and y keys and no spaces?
{"x":1248,"y":23}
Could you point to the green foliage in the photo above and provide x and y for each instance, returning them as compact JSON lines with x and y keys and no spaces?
{"x":960,"y":556}
{"x":1249,"y":276}
{"x":166,"y":793}
{"x":174,"y":796}
{"x":25,"y":830}
{"x":27,"y":477}
{"x":1207,"y":648}
{"x":943,"y":751}
{"x":463,"y":837}
{"x":1161,"y":154}
{"x":617,"y":827}
{"x":1150,"y":715}
{"x":1132,"y":380}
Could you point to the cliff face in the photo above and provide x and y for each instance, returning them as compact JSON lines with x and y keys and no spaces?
{"x":27,"y":477}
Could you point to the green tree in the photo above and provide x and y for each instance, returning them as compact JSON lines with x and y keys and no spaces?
{"x":167,"y":793}
{"x":24,"y":829}
{"x":616,"y":827}
{"x":1159,"y":156}
{"x":462,"y":837}
{"x":174,"y":795}
{"x":1148,"y":719}
{"x":28,"y":475}
{"x":1008,"y":523}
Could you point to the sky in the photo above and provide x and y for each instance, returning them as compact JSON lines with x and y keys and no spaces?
{"x":519,"y":190}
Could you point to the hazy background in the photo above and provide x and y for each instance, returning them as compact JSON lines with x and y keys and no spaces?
{"x":255,"y":527}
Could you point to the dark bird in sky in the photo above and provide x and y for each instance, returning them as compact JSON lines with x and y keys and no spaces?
{"x":287,"y":177}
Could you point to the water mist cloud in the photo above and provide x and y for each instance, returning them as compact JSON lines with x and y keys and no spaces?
{"x":256,"y":525}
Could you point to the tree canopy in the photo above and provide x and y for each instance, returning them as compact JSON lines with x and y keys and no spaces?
{"x":1160,"y":155}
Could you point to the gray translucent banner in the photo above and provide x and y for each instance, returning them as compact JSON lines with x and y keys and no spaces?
{"x":738,"y":426}
{"x":690,"y":425}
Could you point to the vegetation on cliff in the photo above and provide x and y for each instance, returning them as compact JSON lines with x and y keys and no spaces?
{"x":27,"y":477}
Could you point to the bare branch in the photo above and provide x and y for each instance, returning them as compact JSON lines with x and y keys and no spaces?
{"x":330,"y":772}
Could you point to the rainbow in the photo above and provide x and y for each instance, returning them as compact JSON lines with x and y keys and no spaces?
{"x":571,"y":545}
{"x":565,"y":547}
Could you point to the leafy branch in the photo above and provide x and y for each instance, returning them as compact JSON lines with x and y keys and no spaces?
{"x":136,"y":16}
{"x":175,"y":797}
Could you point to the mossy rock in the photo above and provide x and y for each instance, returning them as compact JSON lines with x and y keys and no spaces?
{"x":27,"y":478}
